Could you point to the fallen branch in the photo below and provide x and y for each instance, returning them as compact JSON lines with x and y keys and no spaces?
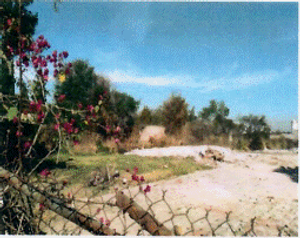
{"x":141,"y":216}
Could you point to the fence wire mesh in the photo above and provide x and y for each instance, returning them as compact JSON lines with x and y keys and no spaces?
{"x":43,"y":205}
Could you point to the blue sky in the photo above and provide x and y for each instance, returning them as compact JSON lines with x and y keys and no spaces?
{"x":243,"y":53}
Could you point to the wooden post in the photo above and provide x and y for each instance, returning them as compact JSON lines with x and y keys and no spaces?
{"x":141,"y":216}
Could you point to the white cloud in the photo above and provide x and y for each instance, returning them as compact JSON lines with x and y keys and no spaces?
{"x":226,"y":83}
{"x":240,"y":82}
{"x":120,"y":76}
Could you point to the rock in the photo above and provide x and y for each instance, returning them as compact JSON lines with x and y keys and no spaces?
{"x":151,"y":133}
{"x":214,"y":154}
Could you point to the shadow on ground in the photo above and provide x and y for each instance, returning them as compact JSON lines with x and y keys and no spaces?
{"x":291,"y":172}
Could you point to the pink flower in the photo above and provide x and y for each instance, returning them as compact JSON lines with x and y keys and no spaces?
{"x":117,"y":140}
{"x":53,"y":60}
{"x":46,"y":72}
{"x":134,"y":177}
{"x":15,"y":120}
{"x":135,"y":169}
{"x":107,"y":222}
{"x":19,"y":133}
{"x":56,"y":127}
{"x":37,"y":50}
{"x":57,"y":116}
{"x":68,"y":127}
{"x":32,"y":106}
{"x":80,"y":105}
{"x":101,"y":220}
{"x":147,"y":189}
{"x":41,"y":44}
{"x":27,"y":144}
{"x":41,"y":37}
{"x":67,"y":71}
{"x":142,"y":179}
{"x":9,"y":22}
{"x":69,"y":65}
{"x":26,"y":63}
{"x":107,"y":128}
{"x":76,"y":142}
{"x":23,"y":55}
{"x":46,"y":44}
{"x":54,"y":54}
{"x":72,"y":121}
{"x":76,"y":130}
{"x":41,"y":207}
{"x":45,"y":173}
{"x":40,"y":117}
{"x":55,"y":73}
{"x":61,"y":98}
{"x":90,"y":108}
{"x":98,"y":210}
{"x":38,"y":107}
{"x":65,"y":54}
{"x":46,"y":78}
{"x":44,"y":63}
{"x":117,"y":130}
{"x":32,"y":47}
{"x":40,"y":72}
{"x":100,"y":97}
{"x":35,"y":60}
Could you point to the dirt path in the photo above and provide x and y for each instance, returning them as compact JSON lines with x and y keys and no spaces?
{"x":244,"y":184}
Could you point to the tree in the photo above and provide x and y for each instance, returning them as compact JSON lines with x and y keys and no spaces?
{"x":192,"y":115}
{"x":9,"y":27}
{"x":124,"y":107}
{"x":145,"y":117}
{"x":83,"y":87}
{"x":256,"y":130}
{"x":79,"y":86}
{"x":216,"y":114}
{"x":157,"y":116}
{"x":174,"y":113}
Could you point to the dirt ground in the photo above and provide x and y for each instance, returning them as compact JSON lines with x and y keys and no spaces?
{"x":245,"y":184}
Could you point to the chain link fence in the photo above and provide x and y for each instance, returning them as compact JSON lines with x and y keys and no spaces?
{"x":42,"y":205}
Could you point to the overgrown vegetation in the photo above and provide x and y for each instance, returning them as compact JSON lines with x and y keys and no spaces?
{"x":78,"y":169}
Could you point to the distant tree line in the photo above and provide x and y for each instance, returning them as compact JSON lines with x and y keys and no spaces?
{"x":249,"y":131}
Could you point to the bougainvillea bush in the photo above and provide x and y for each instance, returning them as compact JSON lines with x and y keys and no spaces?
{"x":35,"y":113}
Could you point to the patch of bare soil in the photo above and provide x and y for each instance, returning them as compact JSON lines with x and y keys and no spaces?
{"x":246,"y":183}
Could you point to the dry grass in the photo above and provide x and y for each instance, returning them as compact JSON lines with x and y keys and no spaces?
{"x":78,"y":170}
{"x":90,"y":142}
{"x":87,"y":145}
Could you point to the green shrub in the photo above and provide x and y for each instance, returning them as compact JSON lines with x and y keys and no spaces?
{"x":174,"y":113}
